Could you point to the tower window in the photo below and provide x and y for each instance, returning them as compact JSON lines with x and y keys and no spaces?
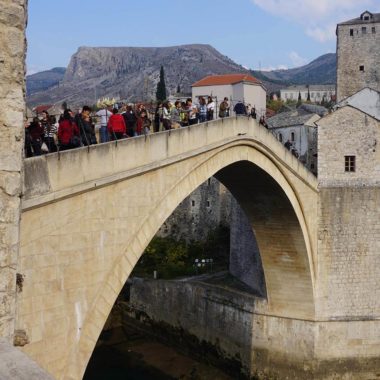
{"x":280,"y":137}
{"x":208,"y":203}
{"x":192,"y":203}
{"x":373,"y":30}
{"x":364,"y":30}
{"x":351,"y":32}
{"x":361,"y":68}
{"x":292,"y":136}
{"x":349,"y":163}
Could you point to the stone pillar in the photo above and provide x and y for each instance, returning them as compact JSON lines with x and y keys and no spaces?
{"x":12,"y":110}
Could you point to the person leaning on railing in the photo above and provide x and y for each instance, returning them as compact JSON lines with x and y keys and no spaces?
{"x":116,"y":125}
{"x":68,"y":132}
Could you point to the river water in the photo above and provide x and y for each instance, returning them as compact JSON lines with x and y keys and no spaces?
{"x":133,"y":356}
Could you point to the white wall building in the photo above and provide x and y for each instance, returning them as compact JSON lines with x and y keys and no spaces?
{"x":317,"y":92}
{"x":299,"y":127}
{"x":236,"y":87}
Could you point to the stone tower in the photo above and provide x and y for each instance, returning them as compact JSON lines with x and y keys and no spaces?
{"x":348,"y":289}
{"x":358,"y":54}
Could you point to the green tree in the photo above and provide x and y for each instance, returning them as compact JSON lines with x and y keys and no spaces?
{"x":308,"y":94}
{"x":275,"y":105}
{"x":161,"y":87}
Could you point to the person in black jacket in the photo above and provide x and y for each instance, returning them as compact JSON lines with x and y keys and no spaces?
{"x":86,"y":126}
{"x":240,"y":108}
{"x":130,"y":120}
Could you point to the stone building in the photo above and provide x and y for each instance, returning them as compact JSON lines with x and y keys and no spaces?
{"x":349,"y":184}
{"x":204,"y":209}
{"x":317,"y":92}
{"x":348,"y":148}
{"x":299,"y":127}
{"x":236,"y":87}
{"x":358,"y":54}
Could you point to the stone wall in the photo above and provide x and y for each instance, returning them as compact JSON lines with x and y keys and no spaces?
{"x":12,"y":106}
{"x":245,"y":260}
{"x":203,"y":210}
{"x":347,"y":132}
{"x":222,"y":318}
{"x":239,"y":328}
{"x":353,"y":52}
{"x":349,"y":219}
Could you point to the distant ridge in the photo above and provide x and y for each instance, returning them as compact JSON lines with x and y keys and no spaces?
{"x":44,"y":80}
{"x":132,"y":73}
{"x":320,"y":71}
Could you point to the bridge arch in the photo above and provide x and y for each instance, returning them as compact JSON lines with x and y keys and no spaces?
{"x":83,"y":230}
{"x":277,"y":215}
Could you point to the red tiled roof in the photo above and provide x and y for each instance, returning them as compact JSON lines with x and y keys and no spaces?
{"x":42,"y":108}
{"x":215,"y":80}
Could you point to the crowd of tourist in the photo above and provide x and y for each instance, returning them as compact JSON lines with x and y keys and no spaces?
{"x":72,"y":130}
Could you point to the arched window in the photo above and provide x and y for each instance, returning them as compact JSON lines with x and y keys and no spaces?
{"x":292,"y":136}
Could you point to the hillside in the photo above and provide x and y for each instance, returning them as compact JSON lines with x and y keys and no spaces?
{"x":320,"y":71}
{"x":132,"y":73}
{"x":44,"y":80}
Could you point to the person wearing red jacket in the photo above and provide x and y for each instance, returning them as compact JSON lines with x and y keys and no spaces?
{"x":116,"y":125}
{"x":68,"y":132}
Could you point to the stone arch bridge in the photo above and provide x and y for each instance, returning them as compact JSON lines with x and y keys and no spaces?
{"x":88,"y":214}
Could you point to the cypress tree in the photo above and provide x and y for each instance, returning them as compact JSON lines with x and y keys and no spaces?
{"x":299,"y":99}
{"x":308,"y":94}
{"x":161,"y":87}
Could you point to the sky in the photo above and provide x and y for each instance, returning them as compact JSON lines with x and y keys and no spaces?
{"x":258,"y":34}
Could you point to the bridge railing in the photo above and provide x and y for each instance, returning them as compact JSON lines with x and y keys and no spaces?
{"x":112,"y":161}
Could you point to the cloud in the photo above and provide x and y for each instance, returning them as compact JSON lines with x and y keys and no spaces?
{"x":271,"y":68}
{"x":318,"y":17}
{"x":296,"y":59}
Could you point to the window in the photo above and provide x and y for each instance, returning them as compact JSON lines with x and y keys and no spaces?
{"x":364,"y":30}
{"x":373,"y":30}
{"x":366,"y":18}
{"x":292,"y":136}
{"x":208,"y":203}
{"x":349,"y":163}
{"x":351,"y":32}
{"x":361,"y":67}
{"x":280,"y":137}
{"x":209,"y":182}
{"x":192,"y":203}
